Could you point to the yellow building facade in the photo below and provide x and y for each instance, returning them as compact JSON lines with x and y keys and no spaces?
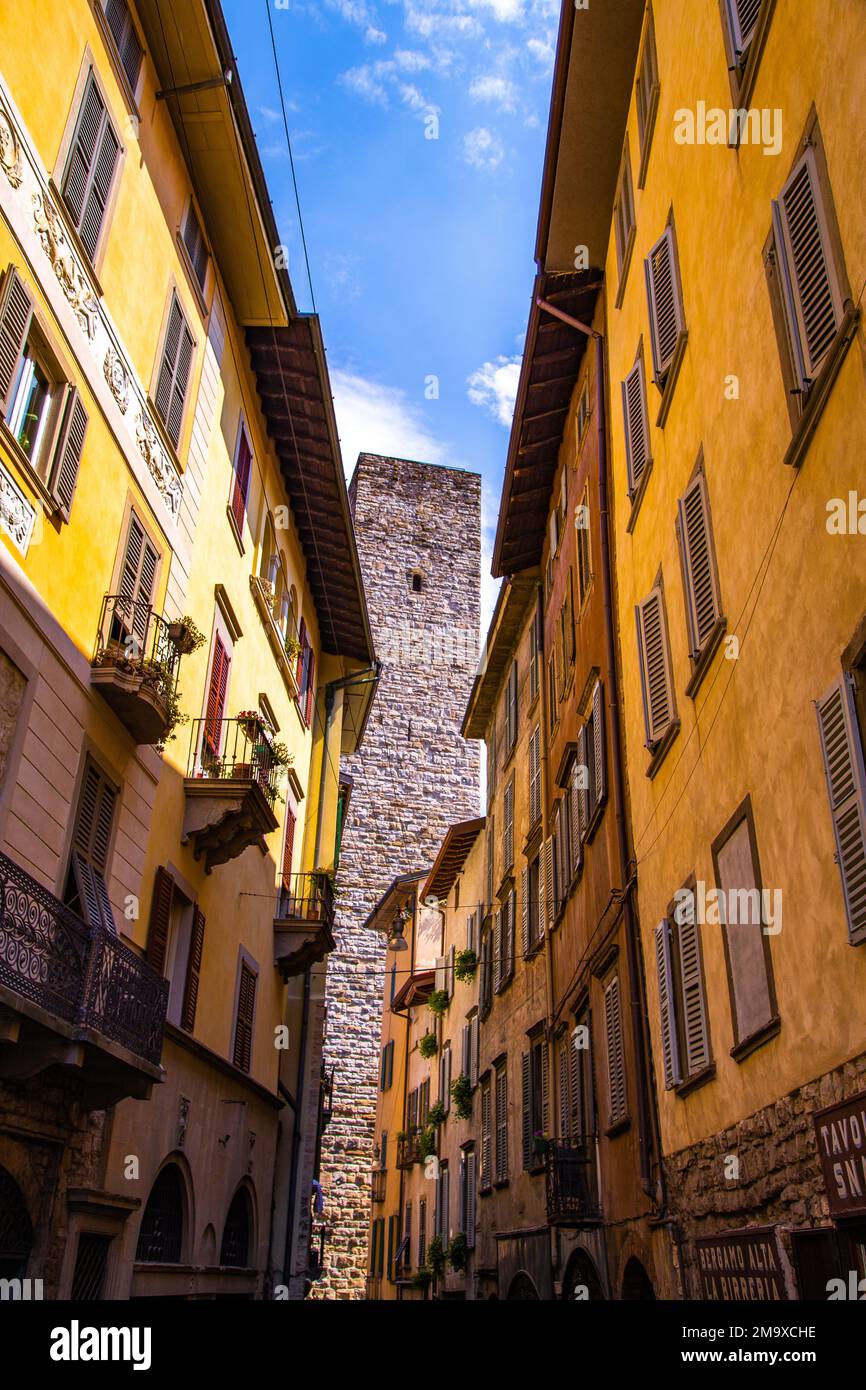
{"x":178,"y":670}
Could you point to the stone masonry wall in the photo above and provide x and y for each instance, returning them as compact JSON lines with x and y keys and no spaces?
{"x":780,"y":1182}
{"x":413,"y":776}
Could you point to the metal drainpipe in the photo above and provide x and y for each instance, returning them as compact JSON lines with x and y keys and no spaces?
{"x":291,"y":1221}
{"x":356,"y":678}
{"x":637,"y":992}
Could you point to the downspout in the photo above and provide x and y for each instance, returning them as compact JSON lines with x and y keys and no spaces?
{"x":370,"y":674}
{"x":291,"y":1221}
{"x":635,"y":965}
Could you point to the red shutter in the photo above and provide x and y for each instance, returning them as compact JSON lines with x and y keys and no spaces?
{"x":216,"y":698}
{"x":311,"y":686}
{"x":243,"y":466}
{"x":288,"y":846}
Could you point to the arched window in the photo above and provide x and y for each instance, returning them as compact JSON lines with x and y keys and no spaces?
{"x":522,"y":1289}
{"x":16,"y":1230}
{"x":160,"y":1237}
{"x":636,"y":1283}
{"x":581,"y":1280}
{"x":416,"y":581}
{"x":235,"y":1248}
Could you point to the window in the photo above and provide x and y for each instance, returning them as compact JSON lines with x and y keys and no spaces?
{"x":624,"y":228}
{"x":235,"y":1244}
{"x":745,"y":24}
{"x":636,"y":422}
{"x":511,"y":709}
{"x":386,"y":1075}
{"x":534,"y":1085}
{"x":404,"y":1252}
{"x":377,"y":1248}
{"x":503,"y":942}
{"x":136,"y":585}
{"x":416,"y":582}
{"x":501,"y":1121}
{"x":422,"y":1230}
{"x":43,"y":412}
{"x":747,"y":947}
{"x":306,"y":676}
{"x":289,"y":845}
{"x":485,"y":975}
{"x":173,"y":380}
{"x":91,"y":1265}
{"x":842,"y":746}
{"x":535,"y":775}
{"x":582,"y":412}
{"x":241,"y":481}
{"x":90,"y":168}
{"x":393,"y":1234}
{"x":196,"y":248}
{"x":468,"y":1189}
{"x":445,"y":1076}
{"x":443,"y":1204}
{"x":647,"y":96}
{"x":383,"y":1151}
{"x":552,"y":703}
{"x":682,"y":1003}
{"x":701,"y":580}
{"x":216,"y":701}
{"x":576,"y":1104}
{"x":129,"y":49}
{"x":473,"y":922}
{"x":245,"y":1010}
{"x":508,"y":827}
{"x":655,"y":666}
{"x":566,"y":629}
{"x":534,"y":656}
{"x":486,"y":1135}
{"x":810,"y":273}
{"x":86,"y":888}
{"x":616,"y":1089}
{"x":532,"y":905}
{"x":742,"y":16}
{"x":666,"y":315}
{"x":160,"y":1235}
{"x":491,"y":763}
{"x":175,"y":944}
{"x":584,"y":551}
{"x":470,"y":1048}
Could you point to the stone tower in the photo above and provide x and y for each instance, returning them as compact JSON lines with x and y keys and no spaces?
{"x":418,"y":528}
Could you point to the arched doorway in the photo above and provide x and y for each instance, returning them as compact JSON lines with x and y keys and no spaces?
{"x":16,"y":1229}
{"x":522,"y":1287}
{"x":160,"y":1236}
{"x":581,"y":1282}
{"x":636,"y":1283}
{"x":237,"y":1232}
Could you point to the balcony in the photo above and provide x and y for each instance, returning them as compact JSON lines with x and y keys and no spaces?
{"x":231,"y":788}
{"x":135,"y":666}
{"x":571,"y":1192}
{"x":379,"y":1178}
{"x":303,"y":922}
{"x":276,"y":617}
{"x":73,"y":995}
{"x":408,"y":1149}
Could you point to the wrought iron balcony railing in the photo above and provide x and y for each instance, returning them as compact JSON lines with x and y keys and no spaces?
{"x":408,"y":1149}
{"x":83,"y":975}
{"x":305,"y":898}
{"x":234,"y":749}
{"x":379,"y":1178}
{"x":135,"y":665}
{"x":571,"y":1193}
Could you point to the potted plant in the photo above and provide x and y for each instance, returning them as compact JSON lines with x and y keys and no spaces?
{"x":458,"y":1252}
{"x":422,"y":1278}
{"x":428,"y":1046}
{"x":540,"y":1143}
{"x":465,"y":965}
{"x":461,"y":1093}
{"x":293,"y":648}
{"x":427,"y":1144}
{"x":436,"y":1113}
{"x":436,"y":1257}
{"x":185,"y":635}
{"x":250,"y":724}
{"x":438,"y":1001}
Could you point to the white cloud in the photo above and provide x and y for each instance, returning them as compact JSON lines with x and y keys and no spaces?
{"x":364,"y":82}
{"x":378,"y":419}
{"x":494,"y":387}
{"x":410,"y":60}
{"x":497,"y":90}
{"x":429,"y":25}
{"x":355,"y":11}
{"x":506,"y":11}
{"x":483,"y":149}
{"x":542,"y":51}
{"x":374,"y":35}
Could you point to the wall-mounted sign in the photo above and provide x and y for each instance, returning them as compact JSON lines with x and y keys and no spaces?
{"x":841,"y":1135}
{"x":741,"y":1266}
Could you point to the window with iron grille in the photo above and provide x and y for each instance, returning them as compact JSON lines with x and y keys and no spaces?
{"x":235,"y":1247}
{"x":91,"y":1265}
{"x":160,"y":1236}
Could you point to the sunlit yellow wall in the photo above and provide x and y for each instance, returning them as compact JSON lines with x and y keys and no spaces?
{"x":753,"y":726}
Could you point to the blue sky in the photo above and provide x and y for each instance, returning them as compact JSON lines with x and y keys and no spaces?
{"x":420,"y":248}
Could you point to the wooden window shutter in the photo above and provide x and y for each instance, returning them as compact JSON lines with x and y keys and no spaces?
{"x":842,"y":748}
{"x":216,"y":698}
{"x":90,"y":168}
{"x":646,"y":81}
{"x":289,"y":847}
{"x":526,"y":1108}
{"x":598,"y":746}
{"x":138,"y":576}
{"x":497,"y":948}
{"x":524,"y":909}
{"x":449,"y":971}
{"x":471,"y":1196}
{"x":193,"y":974}
{"x":311,"y":687}
{"x":634,"y":409}
{"x":465,"y":1051}
{"x":486,"y":1136}
{"x":556,"y":861}
{"x":244,"y":1025}
{"x":240,"y":492}
{"x":413,"y":1108}
{"x":16,"y":313}
{"x":615,"y":1052}
{"x":508,"y":828}
{"x":545,"y":1088}
{"x":577,"y":1121}
{"x":703,"y":602}
{"x":548,"y":880}
{"x":160,"y":919}
{"x":696,"y":1042}
{"x":501,"y":1123}
{"x":576,"y":837}
{"x":535,"y":775}
{"x":665,"y":308}
{"x":474,"y":1039}
{"x":564,"y":1097}
{"x":68,"y":453}
{"x":508,"y":935}
{"x":193,"y":239}
{"x":667,"y":1006}
{"x":655,"y":667}
{"x":174,"y":370}
{"x":91,"y":841}
{"x":446,"y":1096}
{"x":124,"y":35}
{"x":743,"y":16}
{"x":800,"y":218}
{"x":439,"y":982}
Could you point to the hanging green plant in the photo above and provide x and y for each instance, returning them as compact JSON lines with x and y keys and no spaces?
{"x":186,"y":637}
{"x":426,"y":1144}
{"x":461,"y":1094}
{"x":465,"y":965}
{"x":458,"y":1252}
{"x":438,"y":1001}
{"x":436,"y":1113}
{"x":428,"y":1046}
{"x":422,"y":1278}
{"x":436,"y":1256}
